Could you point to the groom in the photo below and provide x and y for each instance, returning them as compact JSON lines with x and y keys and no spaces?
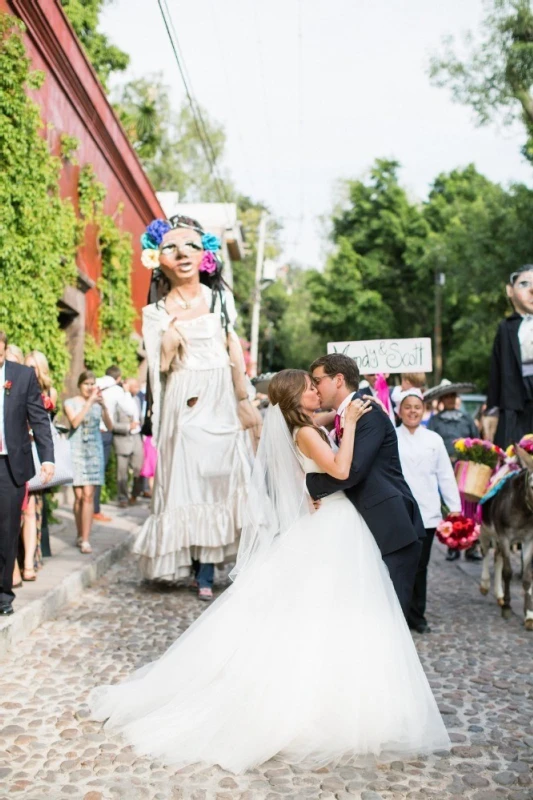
{"x":376,"y":485}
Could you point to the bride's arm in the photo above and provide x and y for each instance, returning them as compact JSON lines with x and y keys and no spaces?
{"x":314,"y":447}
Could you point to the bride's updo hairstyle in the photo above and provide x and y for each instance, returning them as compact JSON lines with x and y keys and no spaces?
{"x":286,"y":390}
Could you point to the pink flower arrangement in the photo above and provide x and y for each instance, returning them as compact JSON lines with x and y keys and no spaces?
{"x":457,"y":531}
{"x":480,"y":451}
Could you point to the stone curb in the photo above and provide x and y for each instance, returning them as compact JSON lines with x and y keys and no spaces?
{"x":41,"y":610}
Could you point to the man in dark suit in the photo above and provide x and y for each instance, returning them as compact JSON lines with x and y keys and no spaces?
{"x":510,"y":395}
{"x":376,"y":485}
{"x":21,"y":407}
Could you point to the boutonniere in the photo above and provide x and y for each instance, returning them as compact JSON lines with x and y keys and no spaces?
{"x":7,"y":386}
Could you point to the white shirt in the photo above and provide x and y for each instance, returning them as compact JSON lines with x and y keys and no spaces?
{"x":428,"y":471}
{"x":3,"y":445}
{"x":114,"y":395}
{"x":525,"y":337}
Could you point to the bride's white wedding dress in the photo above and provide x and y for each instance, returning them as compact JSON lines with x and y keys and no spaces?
{"x":307,"y":655}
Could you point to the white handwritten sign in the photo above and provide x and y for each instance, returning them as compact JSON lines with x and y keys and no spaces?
{"x":387,"y":355}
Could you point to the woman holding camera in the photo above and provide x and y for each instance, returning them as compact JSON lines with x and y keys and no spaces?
{"x":84,"y":413}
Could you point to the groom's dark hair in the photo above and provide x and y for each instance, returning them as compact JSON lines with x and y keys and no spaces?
{"x":339,"y":364}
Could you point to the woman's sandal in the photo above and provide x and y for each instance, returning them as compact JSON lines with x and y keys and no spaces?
{"x":79,"y":540}
{"x":25,"y":572}
{"x":86,"y":548}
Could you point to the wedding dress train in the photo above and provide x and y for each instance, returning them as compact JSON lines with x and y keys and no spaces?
{"x":307,"y":655}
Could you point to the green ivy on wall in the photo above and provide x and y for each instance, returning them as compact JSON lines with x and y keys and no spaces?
{"x":38,"y":229}
{"x":116,"y":314}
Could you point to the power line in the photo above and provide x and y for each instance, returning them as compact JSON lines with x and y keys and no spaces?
{"x":199,"y":123}
{"x":265,"y":99}
{"x":214,"y":12}
{"x":300,"y":101}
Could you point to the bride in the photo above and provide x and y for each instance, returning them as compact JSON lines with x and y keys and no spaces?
{"x":307,"y":655}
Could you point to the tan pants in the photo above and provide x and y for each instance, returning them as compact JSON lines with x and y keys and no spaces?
{"x":134,"y":461}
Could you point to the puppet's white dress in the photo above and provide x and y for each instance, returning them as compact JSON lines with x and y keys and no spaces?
{"x":203,"y":462}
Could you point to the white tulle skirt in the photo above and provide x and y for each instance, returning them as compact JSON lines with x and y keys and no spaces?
{"x":307,"y":656}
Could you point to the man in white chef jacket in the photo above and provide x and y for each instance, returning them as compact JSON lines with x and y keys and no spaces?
{"x":429,"y":474}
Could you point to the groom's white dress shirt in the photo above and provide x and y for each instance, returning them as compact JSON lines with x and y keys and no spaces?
{"x":429,"y":473}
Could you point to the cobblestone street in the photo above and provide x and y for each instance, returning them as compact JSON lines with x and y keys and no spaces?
{"x":480,"y":667}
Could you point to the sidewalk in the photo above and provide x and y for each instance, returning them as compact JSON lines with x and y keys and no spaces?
{"x":66,"y":574}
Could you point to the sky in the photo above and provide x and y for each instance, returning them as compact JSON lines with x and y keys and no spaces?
{"x":311,"y":92}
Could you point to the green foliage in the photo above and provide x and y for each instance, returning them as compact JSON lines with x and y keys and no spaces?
{"x":68,"y":146}
{"x":38,"y":230}
{"x":379,"y":282}
{"x":110,"y":487}
{"x":105,"y":57}
{"x":496,"y":77}
{"x":115,"y":344}
{"x":375,"y":283}
{"x":297,"y":345}
{"x":167,"y":140}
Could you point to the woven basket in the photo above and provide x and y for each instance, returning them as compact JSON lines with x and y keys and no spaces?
{"x":472,"y":479}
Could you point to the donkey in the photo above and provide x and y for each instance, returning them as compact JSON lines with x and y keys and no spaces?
{"x":507,"y":518}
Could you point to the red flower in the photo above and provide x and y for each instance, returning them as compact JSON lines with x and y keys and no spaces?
{"x":49,"y":404}
{"x":463,"y":534}
{"x":7,"y":386}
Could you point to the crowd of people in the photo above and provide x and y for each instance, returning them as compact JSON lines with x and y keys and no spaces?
{"x":106,"y":413}
{"x":348,"y":475}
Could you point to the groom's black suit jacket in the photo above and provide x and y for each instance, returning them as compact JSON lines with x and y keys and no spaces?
{"x":376,"y":485}
{"x":23,"y":407}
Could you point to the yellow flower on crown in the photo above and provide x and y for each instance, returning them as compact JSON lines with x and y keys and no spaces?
{"x":510,"y":451}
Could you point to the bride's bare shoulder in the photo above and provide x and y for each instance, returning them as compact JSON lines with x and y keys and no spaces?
{"x":306,"y":437}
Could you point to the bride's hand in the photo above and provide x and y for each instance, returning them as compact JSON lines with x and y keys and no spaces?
{"x":357,"y":409}
{"x":377,"y":401}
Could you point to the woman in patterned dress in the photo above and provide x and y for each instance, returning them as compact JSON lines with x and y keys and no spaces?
{"x":84,"y":413}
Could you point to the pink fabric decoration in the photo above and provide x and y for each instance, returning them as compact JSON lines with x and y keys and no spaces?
{"x":381,"y":388}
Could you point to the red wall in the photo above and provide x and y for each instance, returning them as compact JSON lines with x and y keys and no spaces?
{"x":73,"y":101}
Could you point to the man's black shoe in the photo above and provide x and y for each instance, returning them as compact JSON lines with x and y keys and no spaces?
{"x":453,"y":555}
{"x":6,"y":609}
{"x":422,"y":628}
{"x":474,"y":556}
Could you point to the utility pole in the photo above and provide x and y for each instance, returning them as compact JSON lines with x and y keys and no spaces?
{"x":440,"y":280}
{"x":256,"y":309}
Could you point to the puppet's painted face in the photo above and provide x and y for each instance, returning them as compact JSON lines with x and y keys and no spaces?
{"x":520,"y":292}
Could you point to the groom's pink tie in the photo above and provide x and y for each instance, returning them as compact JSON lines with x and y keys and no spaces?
{"x":339,"y":430}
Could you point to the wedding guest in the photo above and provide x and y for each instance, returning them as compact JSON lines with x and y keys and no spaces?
{"x":451,"y":423}
{"x":21,"y":407}
{"x":113,"y":395}
{"x":408,"y":380}
{"x":34,"y":518}
{"x":429,"y":474}
{"x":14,"y":354}
{"x":376,"y":386}
{"x":127,"y":442}
{"x":200,"y":407}
{"x":149,"y":464}
{"x":85,"y":411}
{"x":510,"y":395}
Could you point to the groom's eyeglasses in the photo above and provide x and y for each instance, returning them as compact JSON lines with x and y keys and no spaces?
{"x":317,"y":381}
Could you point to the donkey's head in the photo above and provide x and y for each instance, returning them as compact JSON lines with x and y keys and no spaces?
{"x":526,"y":461}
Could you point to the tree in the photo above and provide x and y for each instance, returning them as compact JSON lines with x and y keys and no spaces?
{"x":168,"y":143}
{"x":379,"y":280}
{"x":495,"y":78}
{"x":480,"y":234}
{"x":105,"y":57}
{"x":375,"y":283}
